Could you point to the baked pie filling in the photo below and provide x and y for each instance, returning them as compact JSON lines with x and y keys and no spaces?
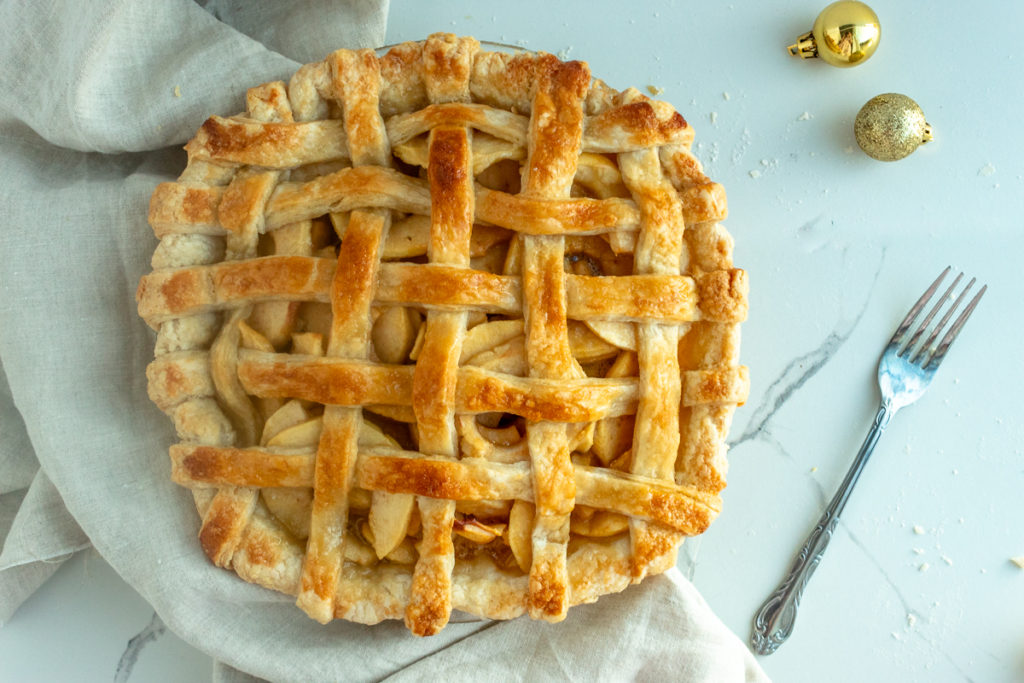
{"x":445,"y":329}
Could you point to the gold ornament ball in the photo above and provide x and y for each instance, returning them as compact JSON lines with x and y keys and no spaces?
{"x":890,"y":127}
{"x":845,"y":34}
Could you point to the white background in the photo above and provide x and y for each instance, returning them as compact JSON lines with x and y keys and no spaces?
{"x":837,"y":246}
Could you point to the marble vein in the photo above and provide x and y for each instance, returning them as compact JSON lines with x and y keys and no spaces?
{"x":802,"y":369}
{"x":153,"y":630}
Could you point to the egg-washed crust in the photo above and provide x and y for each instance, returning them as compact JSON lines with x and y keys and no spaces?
{"x":608,"y":170}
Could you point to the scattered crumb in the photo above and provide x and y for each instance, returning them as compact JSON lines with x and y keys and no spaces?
{"x":814,"y":469}
{"x":655,"y":90}
{"x":177,"y":91}
{"x":714,"y":117}
{"x":896,"y":636}
{"x":563,"y":54}
{"x":918,"y":529}
{"x":983,"y":571}
{"x":911,"y":619}
{"x":986,"y":170}
{"x":806,"y":116}
{"x":947,"y":560}
{"x":923,"y":567}
{"x":726,"y":96}
{"x":765,"y":162}
{"x":1019,"y":561}
{"x":961,"y":520}
{"x":755,"y":173}
{"x":906,"y":449}
{"x":919,"y":551}
{"x":956,"y":471}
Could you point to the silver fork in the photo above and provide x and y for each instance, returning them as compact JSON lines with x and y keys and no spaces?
{"x":903,"y":376}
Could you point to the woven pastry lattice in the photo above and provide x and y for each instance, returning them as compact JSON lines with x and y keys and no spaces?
{"x":445,"y":328}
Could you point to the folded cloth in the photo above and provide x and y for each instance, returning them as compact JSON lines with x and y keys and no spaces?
{"x":99,"y":98}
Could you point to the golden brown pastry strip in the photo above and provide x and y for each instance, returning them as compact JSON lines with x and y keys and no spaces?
{"x":656,"y":435}
{"x":670,"y":298}
{"x":684,"y":509}
{"x":556,"y":129}
{"x":356,"y":80}
{"x":446,"y":72}
{"x":357,"y":382}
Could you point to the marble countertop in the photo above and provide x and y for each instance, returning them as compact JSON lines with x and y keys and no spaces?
{"x":918,"y":584}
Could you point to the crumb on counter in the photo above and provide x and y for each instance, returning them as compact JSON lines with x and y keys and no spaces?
{"x":726,"y":96}
{"x":918,"y":529}
{"x":806,"y":116}
{"x":177,"y":91}
{"x":1018,"y":560}
{"x":923,"y":567}
{"x":655,"y":90}
{"x":755,"y":173}
{"x":714,"y":117}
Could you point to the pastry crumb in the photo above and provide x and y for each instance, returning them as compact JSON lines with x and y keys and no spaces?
{"x":655,"y":90}
{"x":1018,"y":560}
{"x":563,"y":54}
{"x":814,"y":469}
{"x":806,"y":116}
{"x":947,"y":560}
{"x":755,"y":173}
{"x":726,"y":96}
{"x":911,"y":619}
{"x":986,"y":170}
{"x":923,"y":567}
{"x":918,"y":529}
{"x":177,"y":91}
{"x":919,"y":551}
{"x":714,"y":117}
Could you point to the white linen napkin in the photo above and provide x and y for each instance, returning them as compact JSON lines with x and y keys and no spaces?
{"x":98,"y":99}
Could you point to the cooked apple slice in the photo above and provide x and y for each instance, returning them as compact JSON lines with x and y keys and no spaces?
{"x":520,"y":532}
{"x":389,"y":520}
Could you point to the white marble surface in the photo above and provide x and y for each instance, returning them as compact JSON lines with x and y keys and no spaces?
{"x":917,"y":584}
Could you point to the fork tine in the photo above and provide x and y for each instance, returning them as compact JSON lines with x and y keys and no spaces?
{"x":947,"y":341}
{"x":924,"y":348}
{"x":928,"y":318}
{"x":897,"y":337}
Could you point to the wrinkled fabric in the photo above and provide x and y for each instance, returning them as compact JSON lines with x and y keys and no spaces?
{"x":99,"y":98}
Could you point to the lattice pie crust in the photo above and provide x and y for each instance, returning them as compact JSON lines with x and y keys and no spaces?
{"x":445,"y":329}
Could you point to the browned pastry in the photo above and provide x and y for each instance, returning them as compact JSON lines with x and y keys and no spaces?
{"x":445,"y":329}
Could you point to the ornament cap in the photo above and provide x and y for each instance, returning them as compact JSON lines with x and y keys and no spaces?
{"x":804,"y":47}
{"x":845,"y":34}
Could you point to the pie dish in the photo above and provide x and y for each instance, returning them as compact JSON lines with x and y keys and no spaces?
{"x":445,"y":329}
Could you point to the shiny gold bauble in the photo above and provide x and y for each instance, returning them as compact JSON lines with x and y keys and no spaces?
{"x":846,"y":33}
{"x":890,"y":127}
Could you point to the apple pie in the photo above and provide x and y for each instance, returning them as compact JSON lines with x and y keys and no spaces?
{"x":445,"y":329}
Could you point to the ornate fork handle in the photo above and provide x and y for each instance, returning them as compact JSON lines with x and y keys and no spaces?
{"x":774,"y":622}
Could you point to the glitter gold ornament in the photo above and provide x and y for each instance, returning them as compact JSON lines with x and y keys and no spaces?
{"x":890,"y":127}
{"x":845,"y":34}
